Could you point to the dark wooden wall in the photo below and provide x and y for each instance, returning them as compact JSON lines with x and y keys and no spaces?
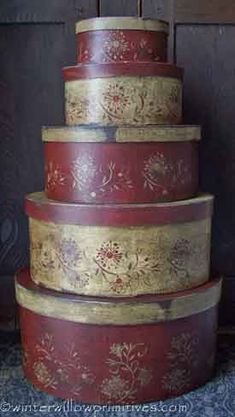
{"x":37,"y":39}
{"x":203,"y":42}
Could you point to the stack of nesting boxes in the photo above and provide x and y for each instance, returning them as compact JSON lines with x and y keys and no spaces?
{"x":118,"y":306}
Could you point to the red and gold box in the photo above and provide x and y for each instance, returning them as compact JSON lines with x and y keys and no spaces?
{"x":145,"y":165}
{"x":146,"y":349}
{"x":119,"y":250}
{"x":121,"y":39}
{"x":117,"y":94}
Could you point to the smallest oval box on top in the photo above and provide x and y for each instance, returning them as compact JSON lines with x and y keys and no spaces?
{"x":121,"y":39}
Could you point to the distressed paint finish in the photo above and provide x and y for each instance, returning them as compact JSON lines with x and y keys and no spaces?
{"x":117,"y":95}
{"x":113,"y":46}
{"x":125,"y":134}
{"x":111,"y":40}
{"x":121,"y":23}
{"x":120,"y":311}
{"x":133,"y":364}
{"x":120,"y":261}
{"x":39,"y":207}
{"x":121,"y":173}
{"x":123,"y":100}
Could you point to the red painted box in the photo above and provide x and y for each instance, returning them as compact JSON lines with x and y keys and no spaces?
{"x":121,"y":93}
{"x":121,"y":39}
{"x":148,"y":164}
{"x":119,"y":250}
{"x":146,"y":348}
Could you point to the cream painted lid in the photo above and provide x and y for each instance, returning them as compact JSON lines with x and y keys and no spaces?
{"x":106,"y":311}
{"x":95,"y":133}
{"x":121,"y":23}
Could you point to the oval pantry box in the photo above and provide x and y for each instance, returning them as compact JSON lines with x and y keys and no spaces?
{"x":146,"y":349}
{"x":123,"y":93}
{"x":126,"y":39}
{"x":90,"y":164}
{"x":119,"y":250}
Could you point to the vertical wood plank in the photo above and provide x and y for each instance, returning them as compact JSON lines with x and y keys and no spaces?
{"x":193,"y":11}
{"x":46,"y":11}
{"x":163,"y":10}
{"x":118,"y":7}
{"x":207,"y":54}
{"x":31,"y":89}
{"x":205,"y":11}
{"x":158,"y":9}
{"x":79,"y":9}
{"x":85,"y":9}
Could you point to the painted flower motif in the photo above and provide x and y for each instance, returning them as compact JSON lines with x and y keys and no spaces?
{"x":182,"y":174}
{"x":175,"y":94}
{"x":173,"y":102}
{"x":183,"y":358}
{"x":109,"y":255}
{"x":184,"y":349}
{"x":156,"y":165}
{"x":85,"y":54}
{"x":93,"y":179}
{"x":116,"y":100}
{"x":143,"y":43}
{"x":179,"y":258}
{"x":77,"y":107}
{"x":76,"y":279}
{"x":113,"y":178}
{"x":87,"y":376}
{"x":42,"y":373}
{"x":67,"y":369}
{"x":115,"y":46}
{"x":69,"y":252}
{"x":144,"y":52}
{"x":144,"y":376}
{"x":176,"y":380}
{"x":63,"y":374}
{"x":46,"y":345}
{"x":83,"y":171}
{"x":180,"y":252}
{"x":155,"y":168}
{"x":115,"y":387}
{"x":117,"y":349}
{"x":118,"y":285}
{"x":54,"y":176}
{"x":126,"y":374}
{"x":44,"y":253}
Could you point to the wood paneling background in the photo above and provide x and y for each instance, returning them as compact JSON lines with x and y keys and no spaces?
{"x":37,"y":39}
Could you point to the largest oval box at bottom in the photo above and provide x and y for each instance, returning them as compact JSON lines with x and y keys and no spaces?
{"x":125,"y":351}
